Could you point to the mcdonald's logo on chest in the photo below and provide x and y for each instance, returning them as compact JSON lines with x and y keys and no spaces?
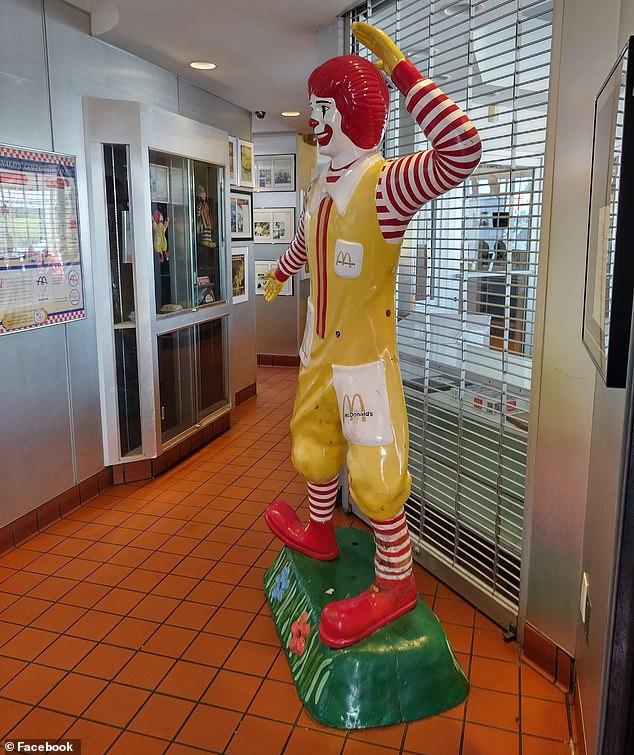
{"x":348,"y":258}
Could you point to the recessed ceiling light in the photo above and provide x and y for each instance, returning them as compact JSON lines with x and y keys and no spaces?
{"x":290,"y":113}
{"x":202,"y":65}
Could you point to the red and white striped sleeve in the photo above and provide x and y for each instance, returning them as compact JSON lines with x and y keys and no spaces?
{"x":408,"y":182}
{"x":295,"y":256}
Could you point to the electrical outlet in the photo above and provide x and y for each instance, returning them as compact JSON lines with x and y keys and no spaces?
{"x":583,"y":598}
{"x":585,"y":605}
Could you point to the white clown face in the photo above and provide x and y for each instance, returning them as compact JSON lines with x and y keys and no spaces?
{"x":325,"y":120}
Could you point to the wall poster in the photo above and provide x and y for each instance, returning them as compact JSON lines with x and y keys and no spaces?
{"x":41,"y":280}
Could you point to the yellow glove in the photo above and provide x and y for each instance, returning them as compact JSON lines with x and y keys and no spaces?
{"x":272,"y":287}
{"x":380,"y":44}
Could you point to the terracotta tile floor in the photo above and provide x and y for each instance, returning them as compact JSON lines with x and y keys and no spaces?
{"x":138,"y":623}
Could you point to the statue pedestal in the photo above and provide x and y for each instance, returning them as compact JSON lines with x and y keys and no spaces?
{"x":402,"y":672}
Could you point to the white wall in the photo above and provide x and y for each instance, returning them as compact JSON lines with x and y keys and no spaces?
{"x":277,"y":322}
{"x":574,"y":465}
{"x":49,"y":412}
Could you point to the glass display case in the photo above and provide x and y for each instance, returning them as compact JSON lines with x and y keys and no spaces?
{"x":185,"y":217}
{"x":161,"y":275}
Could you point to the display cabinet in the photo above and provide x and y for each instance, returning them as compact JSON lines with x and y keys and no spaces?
{"x":162,"y":294}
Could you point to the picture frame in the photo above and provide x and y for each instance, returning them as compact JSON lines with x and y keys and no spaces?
{"x":275,"y":173}
{"x":240,"y":274}
{"x":609,"y":283}
{"x":275,"y":225}
{"x":232,"y":149}
{"x":245,"y":164}
{"x":159,"y":183}
{"x":261,"y":268}
{"x":241,"y":215}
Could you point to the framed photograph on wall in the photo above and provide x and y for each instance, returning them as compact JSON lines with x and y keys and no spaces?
{"x":609,"y":261}
{"x":245,"y":164}
{"x":273,"y":225}
{"x":283,"y":225}
{"x":263,"y":174}
{"x":240,"y":204}
{"x":261,"y":268}
{"x":240,"y":273}
{"x":232,"y":147}
{"x":275,"y":173}
{"x":262,"y":226}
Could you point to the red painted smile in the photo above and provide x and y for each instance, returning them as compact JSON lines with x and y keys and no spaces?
{"x":324,"y":137}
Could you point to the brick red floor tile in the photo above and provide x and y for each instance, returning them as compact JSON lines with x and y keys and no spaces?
{"x":270,"y":736}
{"x":162,"y":716}
{"x":31,"y":684}
{"x":230,"y":689}
{"x":117,"y":705}
{"x":152,"y":595}
{"x":187,"y":680}
{"x":209,"y":728}
{"x":74,"y":693}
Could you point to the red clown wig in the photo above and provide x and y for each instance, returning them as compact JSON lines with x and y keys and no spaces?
{"x":360,"y":93}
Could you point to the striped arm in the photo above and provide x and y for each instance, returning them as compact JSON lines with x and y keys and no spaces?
{"x":295,"y":256}
{"x":408,"y":182}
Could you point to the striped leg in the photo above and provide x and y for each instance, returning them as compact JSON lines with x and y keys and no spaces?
{"x":394,"y":592}
{"x":317,"y":539}
{"x":393,"y":558}
{"x":322,"y":497}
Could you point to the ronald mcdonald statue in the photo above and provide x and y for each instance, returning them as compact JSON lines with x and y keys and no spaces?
{"x":349,"y":404}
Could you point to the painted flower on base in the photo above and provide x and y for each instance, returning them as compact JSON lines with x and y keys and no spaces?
{"x":300,"y":630}
{"x":281,"y":584}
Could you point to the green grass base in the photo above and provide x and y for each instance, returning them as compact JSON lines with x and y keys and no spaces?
{"x":402,"y":672}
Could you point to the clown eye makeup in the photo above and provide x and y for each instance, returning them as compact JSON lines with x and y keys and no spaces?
{"x":320,"y":107}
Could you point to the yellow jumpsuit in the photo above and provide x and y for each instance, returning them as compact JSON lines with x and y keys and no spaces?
{"x":349,"y":389}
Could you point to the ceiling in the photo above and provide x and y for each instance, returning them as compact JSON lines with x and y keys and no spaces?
{"x":264,"y":51}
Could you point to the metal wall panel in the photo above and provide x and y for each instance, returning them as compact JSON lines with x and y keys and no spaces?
{"x":49,"y":377}
{"x":202,"y":106}
{"x":35,"y":435}
{"x":243,"y":343}
{"x":78,"y":65}
{"x":557,"y":485}
{"x":608,"y":444}
{"x":35,"y":448}
{"x":24,"y":114}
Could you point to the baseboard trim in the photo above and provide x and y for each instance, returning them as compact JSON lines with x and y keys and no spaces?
{"x":17,"y":532}
{"x":245,"y":394}
{"x":554,"y":662}
{"x":278,"y":360}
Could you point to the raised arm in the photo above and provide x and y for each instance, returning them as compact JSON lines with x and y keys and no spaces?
{"x":410,"y":181}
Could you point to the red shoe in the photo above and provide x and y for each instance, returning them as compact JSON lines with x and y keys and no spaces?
{"x":316,"y":539}
{"x":344,"y":622}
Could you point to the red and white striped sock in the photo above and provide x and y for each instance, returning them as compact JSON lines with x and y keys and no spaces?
{"x":393,"y":559}
{"x":322,"y":497}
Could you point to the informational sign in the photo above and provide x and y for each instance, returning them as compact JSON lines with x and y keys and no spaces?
{"x":41,"y":280}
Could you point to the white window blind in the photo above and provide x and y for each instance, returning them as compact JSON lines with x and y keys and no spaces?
{"x":466,"y":284}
